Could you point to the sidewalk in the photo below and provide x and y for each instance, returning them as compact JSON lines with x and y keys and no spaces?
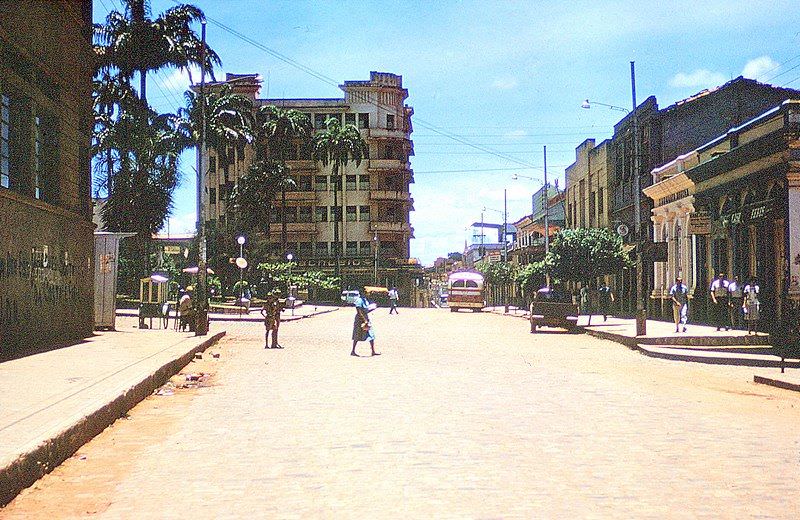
{"x":305,"y":310}
{"x":53,"y":402}
{"x":699,"y":344}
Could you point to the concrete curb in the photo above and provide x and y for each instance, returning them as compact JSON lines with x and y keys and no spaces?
{"x":34,"y":464}
{"x":716,"y":358}
{"x":777,"y":383}
{"x":234,"y":318}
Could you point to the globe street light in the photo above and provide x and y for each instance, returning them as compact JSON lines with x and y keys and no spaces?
{"x":289,"y":258}
{"x":241,"y":263}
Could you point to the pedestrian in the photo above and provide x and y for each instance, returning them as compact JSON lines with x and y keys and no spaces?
{"x":393,"y":297}
{"x":186,"y":311}
{"x":680,"y":303}
{"x":751,"y":305}
{"x":736,"y":296}
{"x":584,"y":299}
{"x":605,"y":297}
{"x":272,"y":319}
{"x":720,"y":301}
{"x":363,"y":329}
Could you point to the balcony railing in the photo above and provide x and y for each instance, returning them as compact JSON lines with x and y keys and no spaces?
{"x":388,"y":164}
{"x":392,"y":227}
{"x":390,"y":195}
{"x":293,"y":227}
{"x":386,"y":133}
{"x":302,"y":164}
{"x":298,"y":196}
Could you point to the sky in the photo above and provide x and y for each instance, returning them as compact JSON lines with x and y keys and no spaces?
{"x":491,"y":82}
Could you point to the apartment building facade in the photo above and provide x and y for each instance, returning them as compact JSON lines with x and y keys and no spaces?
{"x":587,"y":186}
{"x":46,"y":243}
{"x":373,"y":197}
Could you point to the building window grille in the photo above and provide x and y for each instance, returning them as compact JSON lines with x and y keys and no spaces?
{"x":363,"y":120}
{"x":321,"y":249}
{"x":304,"y":183}
{"x":212,"y":195}
{"x":304,"y":214}
{"x":304,"y":249}
{"x":5,"y":128}
{"x":321,"y":214}
{"x":351,"y":213}
{"x":390,"y":121}
{"x":599,"y":201}
{"x":365,"y":246}
{"x":364,"y":213}
{"x":212,"y":164}
{"x":319,"y":121}
{"x":363,"y":182}
{"x":350,"y":183}
{"x":352,"y":248}
{"x":336,"y":214}
{"x":320,"y":182}
{"x":350,"y":119}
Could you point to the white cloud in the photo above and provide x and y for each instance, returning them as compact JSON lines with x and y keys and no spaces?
{"x":178,"y":79}
{"x":505,"y":83}
{"x":181,"y":224}
{"x":700,"y":78}
{"x":757,"y":67}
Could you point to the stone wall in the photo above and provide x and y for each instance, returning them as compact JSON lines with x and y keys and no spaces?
{"x":46,"y":288}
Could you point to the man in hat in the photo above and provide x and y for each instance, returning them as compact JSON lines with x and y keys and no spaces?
{"x":680,"y":303}
{"x":720,"y":299}
{"x":272,"y":319}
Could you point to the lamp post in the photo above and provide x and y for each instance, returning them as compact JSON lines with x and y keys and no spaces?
{"x":289,"y":258}
{"x":375,"y":247}
{"x":201,"y":327}
{"x":241,"y":263}
{"x":641,"y":309}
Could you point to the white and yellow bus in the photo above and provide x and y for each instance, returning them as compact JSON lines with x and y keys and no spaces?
{"x":466,"y":291}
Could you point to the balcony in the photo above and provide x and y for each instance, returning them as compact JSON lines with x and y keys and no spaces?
{"x":302,"y":165}
{"x":391,"y":195}
{"x":392,"y":227}
{"x":297,"y":196}
{"x":293,"y":227}
{"x":385,"y":133}
{"x":388,"y":164}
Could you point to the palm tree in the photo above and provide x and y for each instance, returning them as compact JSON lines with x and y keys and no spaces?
{"x":338,"y":145}
{"x":278,"y":130}
{"x":254,"y":194}
{"x":133,"y":42}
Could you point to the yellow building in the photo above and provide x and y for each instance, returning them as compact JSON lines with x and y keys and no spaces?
{"x":587,"y":181}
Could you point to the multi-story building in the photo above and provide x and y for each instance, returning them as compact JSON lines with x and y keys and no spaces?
{"x":373,"y":196}
{"x":529,"y":245}
{"x":587,"y":186}
{"x":46,"y":243}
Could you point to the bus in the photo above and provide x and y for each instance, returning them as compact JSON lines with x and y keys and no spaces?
{"x":466,"y":291}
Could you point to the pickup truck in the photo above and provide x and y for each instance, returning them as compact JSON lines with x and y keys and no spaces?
{"x":549,"y":311}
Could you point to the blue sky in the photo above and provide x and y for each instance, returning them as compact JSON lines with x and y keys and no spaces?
{"x":506,"y":76}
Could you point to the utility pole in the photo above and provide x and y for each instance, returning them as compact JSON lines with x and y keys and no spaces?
{"x":641,"y":310}
{"x":201,"y":292}
{"x":546,"y":216}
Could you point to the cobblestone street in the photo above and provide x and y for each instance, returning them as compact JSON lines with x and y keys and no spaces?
{"x":463,"y":415}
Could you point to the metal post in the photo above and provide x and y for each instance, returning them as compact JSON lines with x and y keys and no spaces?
{"x":641,"y":311}
{"x":201,"y":293}
{"x":375,"y":240}
{"x":241,"y":277}
{"x":546,"y":216}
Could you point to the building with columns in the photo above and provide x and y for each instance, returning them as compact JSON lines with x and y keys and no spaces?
{"x":374,"y":197}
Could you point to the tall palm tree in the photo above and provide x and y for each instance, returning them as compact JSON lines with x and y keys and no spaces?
{"x":338,"y":145}
{"x":253,"y":196}
{"x":278,"y":131}
{"x":132,"y":42}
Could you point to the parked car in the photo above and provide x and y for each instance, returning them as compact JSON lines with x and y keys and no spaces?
{"x":350,"y":296}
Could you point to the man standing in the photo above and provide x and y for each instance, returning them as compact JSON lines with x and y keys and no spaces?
{"x":736,"y":299}
{"x":605,"y":299}
{"x":393,"y":297}
{"x":720,"y":298}
{"x":272,"y":319}
{"x":680,"y":303}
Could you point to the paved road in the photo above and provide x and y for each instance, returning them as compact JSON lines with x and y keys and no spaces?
{"x":462,"y":415}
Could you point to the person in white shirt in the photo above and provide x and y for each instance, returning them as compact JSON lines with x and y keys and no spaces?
{"x":750,"y":305}
{"x":680,"y":303}
{"x":720,"y":298}
{"x":735,"y":308}
{"x":393,"y":297}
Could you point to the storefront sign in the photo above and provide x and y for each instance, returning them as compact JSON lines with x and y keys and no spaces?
{"x":700,"y":223}
{"x":172,"y":250}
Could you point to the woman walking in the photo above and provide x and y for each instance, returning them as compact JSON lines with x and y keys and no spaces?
{"x":750,"y":305}
{"x":362,"y":326}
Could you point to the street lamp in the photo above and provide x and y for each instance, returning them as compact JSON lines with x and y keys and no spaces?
{"x":289,"y":258}
{"x":588,"y":104}
{"x":641,"y":309}
{"x":241,"y":263}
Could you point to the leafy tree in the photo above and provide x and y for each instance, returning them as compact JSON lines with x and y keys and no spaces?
{"x":338,"y":145}
{"x":278,"y":129}
{"x":253,"y":196}
{"x":583,"y":255}
{"x":132,"y":42}
{"x":499,"y":276}
{"x":456,"y":256}
{"x":531,"y":277}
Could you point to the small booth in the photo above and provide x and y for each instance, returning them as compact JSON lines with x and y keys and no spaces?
{"x":106,"y":263}
{"x":152,"y":296}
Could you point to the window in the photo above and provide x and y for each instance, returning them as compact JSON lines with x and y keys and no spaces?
{"x":212,"y":164}
{"x":364,"y":213}
{"x":304,"y":214}
{"x":336,"y":247}
{"x":599,"y":201}
{"x":363,"y":120}
{"x":306,"y":151}
{"x":292,"y":152}
{"x":350,"y":183}
{"x":363,"y":182}
{"x":351,"y":213}
{"x":336,"y":214}
{"x":291,"y":214}
{"x":320,"y":182}
{"x":321,"y":249}
{"x":352,"y":248}
{"x":350,"y":119}
{"x":5,"y":125}
{"x":321,"y":214}
{"x":365,"y":246}
{"x":336,"y":182}
{"x":390,"y":121}
{"x":319,"y":121}
{"x":304,"y":249}
{"x":274,"y":216}
{"x":212,"y":195}
{"x":304,"y":183}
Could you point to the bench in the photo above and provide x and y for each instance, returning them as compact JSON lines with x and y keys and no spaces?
{"x":553,"y":314}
